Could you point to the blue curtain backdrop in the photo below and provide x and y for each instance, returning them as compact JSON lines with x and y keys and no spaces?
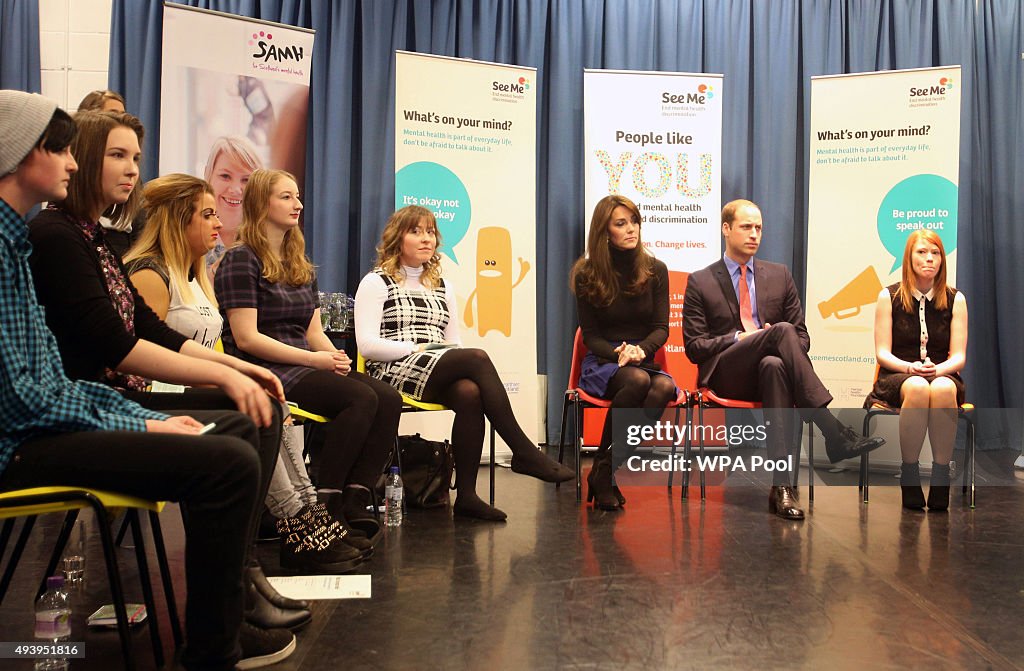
{"x":19,"y":35}
{"x":767,"y":52}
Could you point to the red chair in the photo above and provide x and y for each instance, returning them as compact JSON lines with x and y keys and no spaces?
{"x":707,"y":398}
{"x":580,"y":399}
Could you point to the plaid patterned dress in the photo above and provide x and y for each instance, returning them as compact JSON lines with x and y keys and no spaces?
{"x":419,"y":316}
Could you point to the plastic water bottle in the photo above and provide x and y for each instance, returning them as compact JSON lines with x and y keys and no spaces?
{"x":393,"y":493}
{"x":53,"y":622}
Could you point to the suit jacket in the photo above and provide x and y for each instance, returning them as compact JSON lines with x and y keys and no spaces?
{"x":711,"y":312}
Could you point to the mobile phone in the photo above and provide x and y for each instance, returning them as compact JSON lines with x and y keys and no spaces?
{"x":435,"y":345}
{"x":206,"y":429}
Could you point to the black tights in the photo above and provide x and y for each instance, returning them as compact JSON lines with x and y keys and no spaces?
{"x":364,"y":414}
{"x":634,"y":387}
{"x":466,"y":381}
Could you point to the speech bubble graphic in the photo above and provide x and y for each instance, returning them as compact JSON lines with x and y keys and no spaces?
{"x":920,"y":201}
{"x":435,"y":187}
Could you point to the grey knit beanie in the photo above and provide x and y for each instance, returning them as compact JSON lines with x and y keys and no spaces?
{"x":23,"y":118}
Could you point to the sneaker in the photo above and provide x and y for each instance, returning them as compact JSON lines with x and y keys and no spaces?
{"x":263,"y":647}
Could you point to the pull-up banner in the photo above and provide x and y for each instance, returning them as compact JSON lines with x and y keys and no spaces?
{"x":884,"y":161}
{"x":662,"y":149}
{"x":466,"y":149}
{"x":234,"y":98}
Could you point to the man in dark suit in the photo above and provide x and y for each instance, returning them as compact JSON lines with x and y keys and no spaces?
{"x":743,"y":326}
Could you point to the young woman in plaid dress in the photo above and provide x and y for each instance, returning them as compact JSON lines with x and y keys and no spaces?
{"x":407,"y":330}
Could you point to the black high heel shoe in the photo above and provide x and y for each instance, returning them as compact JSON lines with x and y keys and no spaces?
{"x":599,"y":486}
{"x":618,"y":495}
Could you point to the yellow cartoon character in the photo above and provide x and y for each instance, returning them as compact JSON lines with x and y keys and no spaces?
{"x":494,"y":285}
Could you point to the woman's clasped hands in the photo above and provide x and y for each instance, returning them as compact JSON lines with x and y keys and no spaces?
{"x":629,"y":354}
{"x":333,"y":361}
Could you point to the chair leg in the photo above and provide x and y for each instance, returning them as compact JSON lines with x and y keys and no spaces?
{"x":700,"y":410}
{"x":19,"y":547}
{"x":862,"y":484}
{"x":147,"y":586}
{"x":561,"y":432}
{"x":672,"y":456}
{"x":810,"y":461}
{"x":122,"y":530}
{"x":165,"y":577}
{"x":577,"y":441}
{"x":687,"y":452}
{"x":114,"y":578}
{"x":492,"y":466}
{"x":58,"y":549}
{"x":971,"y":450}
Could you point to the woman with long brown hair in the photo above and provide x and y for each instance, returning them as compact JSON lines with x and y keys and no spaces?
{"x":921,"y":347}
{"x":407,"y":329}
{"x":622,"y":302}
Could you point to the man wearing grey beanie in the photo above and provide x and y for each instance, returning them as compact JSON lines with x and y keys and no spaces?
{"x":81,"y":434}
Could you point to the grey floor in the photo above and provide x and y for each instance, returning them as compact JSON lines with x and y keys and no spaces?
{"x":664,"y":584}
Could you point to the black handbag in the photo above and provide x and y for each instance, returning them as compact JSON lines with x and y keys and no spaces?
{"x":426,"y":470}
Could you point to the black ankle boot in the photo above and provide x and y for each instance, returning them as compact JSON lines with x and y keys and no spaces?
{"x":265,"y":615}
{"x":255,"y":575}
{"x":331,"y":508}
{"x":938,"y":492}
{"x":310,"y":547}
{"x":354,"y":503}
{"x":599,"y":485}
{"x":910,"y":484}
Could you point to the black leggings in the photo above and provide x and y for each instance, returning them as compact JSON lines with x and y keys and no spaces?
{"x":466,"y":381}
{"x":634,"y":387}
{"x":364,"y":416}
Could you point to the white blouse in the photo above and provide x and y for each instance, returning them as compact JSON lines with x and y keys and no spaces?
{"x":370,"y":298}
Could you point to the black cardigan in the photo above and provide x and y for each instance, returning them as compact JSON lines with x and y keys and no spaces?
{"x":69,"y":284}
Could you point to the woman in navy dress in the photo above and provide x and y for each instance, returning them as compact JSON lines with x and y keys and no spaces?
{"x":622,"y":302}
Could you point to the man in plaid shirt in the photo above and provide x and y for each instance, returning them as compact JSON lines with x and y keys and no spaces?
{"x":84,"y":434}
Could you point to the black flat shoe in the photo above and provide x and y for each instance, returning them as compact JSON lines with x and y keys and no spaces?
{"x":782,"y":502}
{"x":542,"y":467}
{"x":478,"y":510}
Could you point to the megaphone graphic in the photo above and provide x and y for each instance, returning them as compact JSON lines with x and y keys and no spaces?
{"x":861,"y":290}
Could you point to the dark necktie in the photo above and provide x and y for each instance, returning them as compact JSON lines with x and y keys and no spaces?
{"x":746,"y":313}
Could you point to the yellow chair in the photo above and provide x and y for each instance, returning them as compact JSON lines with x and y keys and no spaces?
{"x":30,"y":503}
{"x":410,"y":404}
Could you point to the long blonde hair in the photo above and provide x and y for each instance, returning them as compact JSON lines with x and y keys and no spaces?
{"x":907,"y":283}
{"x":292,"y":266}
{"x":389,"y":251}
{"x":171,"y":201}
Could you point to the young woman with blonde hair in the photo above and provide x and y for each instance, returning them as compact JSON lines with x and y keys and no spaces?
{"x":267,"y":292}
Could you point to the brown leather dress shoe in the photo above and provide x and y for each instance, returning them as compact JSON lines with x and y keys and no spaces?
{"x":782,"y":501}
